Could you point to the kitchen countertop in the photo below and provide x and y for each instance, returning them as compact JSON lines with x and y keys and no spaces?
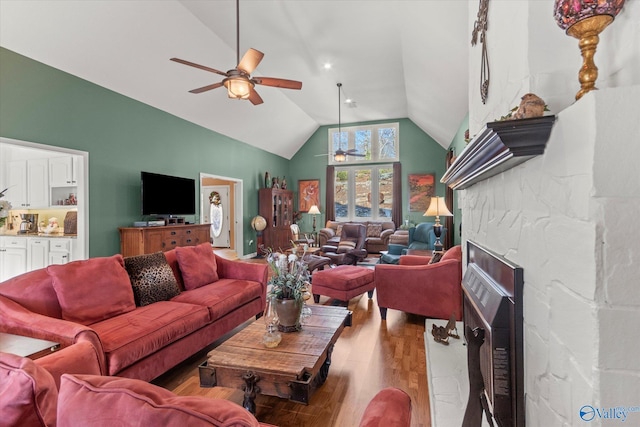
{"x":51,"y":235}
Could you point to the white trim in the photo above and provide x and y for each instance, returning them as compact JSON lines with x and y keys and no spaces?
{"x":375,"y":143}
{"x":238,"y":224}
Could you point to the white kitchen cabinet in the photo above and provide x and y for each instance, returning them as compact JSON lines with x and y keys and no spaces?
{"x":13,"y":257}
{"x":63,"y":171}
{"x":37,"y":253}
{"x":59,"y":251}
{"x":28,"y":182}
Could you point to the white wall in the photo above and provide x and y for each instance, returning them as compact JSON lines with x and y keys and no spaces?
{"x":568,"y":217}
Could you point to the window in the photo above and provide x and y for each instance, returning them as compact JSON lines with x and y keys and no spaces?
{"x":364,"y":192}
{"x":377,"y":143}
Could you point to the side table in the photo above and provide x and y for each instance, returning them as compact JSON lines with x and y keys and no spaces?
{"x":32,"y":348}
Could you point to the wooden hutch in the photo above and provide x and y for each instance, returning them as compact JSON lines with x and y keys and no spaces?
{"x":276,"y":206}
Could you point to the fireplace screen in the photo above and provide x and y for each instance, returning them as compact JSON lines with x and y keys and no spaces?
{"x":492,"y":288}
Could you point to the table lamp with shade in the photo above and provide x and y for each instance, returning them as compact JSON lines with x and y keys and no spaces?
{"x":313,"y":210}
{"x":437,"y":208}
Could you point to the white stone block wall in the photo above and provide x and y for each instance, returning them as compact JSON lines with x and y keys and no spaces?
{"x":571,"y":219}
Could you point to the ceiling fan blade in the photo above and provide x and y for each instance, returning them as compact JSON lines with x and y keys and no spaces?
{"x":254,"y":97}
{"x":321,"y":155}
{"x":282,"y":83}
{"x":206,"y":88}
{"x":202,"y":67}
{"x":354,"y":152}
{"x":250,"y":61}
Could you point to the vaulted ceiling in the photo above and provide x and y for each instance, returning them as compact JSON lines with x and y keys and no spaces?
{"x":394,"y":58}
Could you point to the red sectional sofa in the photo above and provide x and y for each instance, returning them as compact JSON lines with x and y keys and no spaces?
{"x":92,"y":301}
{"x":31,"y":398}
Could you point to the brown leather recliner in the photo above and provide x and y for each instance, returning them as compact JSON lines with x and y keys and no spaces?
{"x":351,"y":247}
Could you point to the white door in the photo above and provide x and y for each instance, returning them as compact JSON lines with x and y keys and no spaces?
{"x":217,"y":215}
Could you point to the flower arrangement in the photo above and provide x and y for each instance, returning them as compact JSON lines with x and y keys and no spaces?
{"x":5,"y":207}
{"x":290,"y":278}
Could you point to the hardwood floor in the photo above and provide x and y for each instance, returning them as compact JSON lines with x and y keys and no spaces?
{"x":368,"y":356}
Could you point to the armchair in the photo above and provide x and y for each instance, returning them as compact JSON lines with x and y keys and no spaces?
{"x":351,"y":247}
{"x":431,"y":290}
{"x":421,"y":237}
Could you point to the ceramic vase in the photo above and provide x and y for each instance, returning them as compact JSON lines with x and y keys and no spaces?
{"x":288,"y":314}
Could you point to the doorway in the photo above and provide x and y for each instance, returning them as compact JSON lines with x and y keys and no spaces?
{"x":216,"y":197}
{"x":231,"y":235}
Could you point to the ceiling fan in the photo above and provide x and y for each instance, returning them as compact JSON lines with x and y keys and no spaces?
{"x":238,"y":81}
{"x":341,"y":155}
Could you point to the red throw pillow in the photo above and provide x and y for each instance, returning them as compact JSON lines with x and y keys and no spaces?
{"x":197,"y":265}
{"x":29,"y":393}
{"x":92,"y":290}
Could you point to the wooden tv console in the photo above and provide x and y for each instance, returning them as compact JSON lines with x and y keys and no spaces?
{"x":147,"y":240}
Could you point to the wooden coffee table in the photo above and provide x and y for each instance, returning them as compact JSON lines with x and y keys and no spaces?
{"x":293,"y":370}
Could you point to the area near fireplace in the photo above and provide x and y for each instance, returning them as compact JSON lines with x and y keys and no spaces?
{"x":492,"y":304}
{"x":569,"y":217}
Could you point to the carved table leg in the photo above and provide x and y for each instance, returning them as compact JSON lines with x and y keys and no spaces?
{"x":250,"y":390}
{"x":324,"y":370}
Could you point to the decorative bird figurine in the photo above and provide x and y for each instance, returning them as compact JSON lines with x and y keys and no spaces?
{"x":530,"y":106}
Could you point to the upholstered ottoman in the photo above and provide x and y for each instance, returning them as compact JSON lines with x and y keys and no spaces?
{"x":343,"y":282}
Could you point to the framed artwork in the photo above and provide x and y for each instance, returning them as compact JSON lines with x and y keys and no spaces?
{"x":421,"y":187}
{"x":308,"y":194}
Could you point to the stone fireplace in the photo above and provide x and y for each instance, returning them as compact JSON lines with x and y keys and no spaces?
{"x":569,"y":217}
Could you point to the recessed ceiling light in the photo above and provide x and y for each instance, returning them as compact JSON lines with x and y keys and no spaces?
{"x":327,"y":66}
{"x":348,"y":101}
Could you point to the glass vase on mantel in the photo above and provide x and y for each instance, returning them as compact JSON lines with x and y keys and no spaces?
{"x":288,"y":314}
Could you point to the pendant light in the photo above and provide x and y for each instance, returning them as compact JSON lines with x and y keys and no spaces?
{"x":340,"y":155}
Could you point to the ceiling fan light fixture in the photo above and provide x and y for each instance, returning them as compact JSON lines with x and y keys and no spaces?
{"x":340,"y":156}
{"x":238,"y":87}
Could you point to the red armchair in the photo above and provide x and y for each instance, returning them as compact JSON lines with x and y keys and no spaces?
{"x":414,"y":286}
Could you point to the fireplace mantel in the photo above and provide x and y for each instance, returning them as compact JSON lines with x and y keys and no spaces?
{"x":497,"y":148}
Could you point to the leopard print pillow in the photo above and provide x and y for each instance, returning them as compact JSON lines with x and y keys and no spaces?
{"x":151,"y":278}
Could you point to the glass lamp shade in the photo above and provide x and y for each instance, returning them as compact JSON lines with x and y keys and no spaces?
{"x":238,"y":88}
{"x":569,"y":12}
{"x":340,"y":156}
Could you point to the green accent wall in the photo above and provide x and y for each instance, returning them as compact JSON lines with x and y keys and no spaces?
{"x":41,"y":104}
{"x":123,"y":136}
{"x":458,"y":144}
{"x":419,"y":153}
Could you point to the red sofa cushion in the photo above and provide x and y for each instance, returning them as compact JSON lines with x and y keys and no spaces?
{"x":228,"y":295}
{"x":111,"y":401}
{"x":132,"y":336}
{"x":391,"y":407}
{"x":28,"y":393}
{"x":92,"y":290}
{"x":34,"y":291}
{"x":197,"y":265}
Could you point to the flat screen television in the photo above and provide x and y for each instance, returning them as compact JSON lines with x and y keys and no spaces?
{"x":165,"y":195}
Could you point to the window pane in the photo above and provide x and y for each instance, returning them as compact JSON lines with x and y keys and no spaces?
{"x":363,"y":193}
{"x":385,"y":180}
{"x":341,"y":194}
{"x":387,"y":140}
{"x":363,"y":144}
{"x":340,"y":141}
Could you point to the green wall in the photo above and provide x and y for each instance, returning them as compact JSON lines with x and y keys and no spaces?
{"x":419,"y":153}
{"x":458,"y":144}
{"x":41,"y":104}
